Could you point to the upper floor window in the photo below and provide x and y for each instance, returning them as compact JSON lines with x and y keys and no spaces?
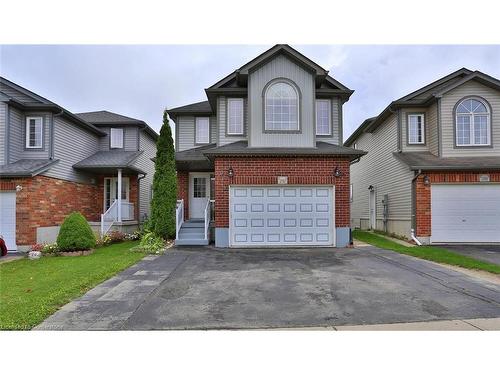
{"x":281,"y":107}
{"x":323,"y":119}
{"x":473,"y":123}
{"x":34,"y":132}
{"x":355,"y":146}
{"x":202,"y":131}
{"x":416,"y":129}
{"x":116,"y":138}
{"x":234,"y":116}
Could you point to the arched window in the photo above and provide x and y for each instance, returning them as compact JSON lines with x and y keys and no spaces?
{"x":473,"y":121}
{"x":281,"y":101}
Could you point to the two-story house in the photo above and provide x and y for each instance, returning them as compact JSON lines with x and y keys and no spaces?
{"x":53,"y":162}
{"x":433,"y":163}
{"x":266,"y":149}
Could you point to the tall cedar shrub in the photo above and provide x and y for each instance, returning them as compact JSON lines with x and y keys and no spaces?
{"x":164,"y":184}
{"x":75,"y":234}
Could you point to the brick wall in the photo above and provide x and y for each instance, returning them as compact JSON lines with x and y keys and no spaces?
{"x":264,"y":171}
{"x":45,"y":201}
{"x":423,"y":194}
{"x":183,"y":190}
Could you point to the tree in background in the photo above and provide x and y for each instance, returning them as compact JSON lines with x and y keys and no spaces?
{"x":164,"y":185}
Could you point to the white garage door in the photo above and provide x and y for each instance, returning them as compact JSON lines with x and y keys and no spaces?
{"x":8,"y":218}
{"x":465,"y":213}
{"x":281,"y":216}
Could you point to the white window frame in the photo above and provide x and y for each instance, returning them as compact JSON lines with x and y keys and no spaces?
{"x":266,"y":126}
{"x":28,"y":133}
{"x":230,"y":116}
{"x":197,"y":140}
{"x":113,"y":182}
{"x":329,"y":106}
{"x":112,"y":141}
{"x":422,"y":122}
{"x":355,"y":145}
{"x":472,"y":116}
{"x":351,"y":192}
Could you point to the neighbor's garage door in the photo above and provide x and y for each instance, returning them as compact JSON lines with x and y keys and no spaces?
{"x":465,"y":213}
{"x":8,"y":218}
{"x":281,"y":216}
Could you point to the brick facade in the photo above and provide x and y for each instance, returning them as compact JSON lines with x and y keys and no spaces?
{"x":423,"y":212}
{"x":183,"y":190}
{"x":265,"y":171}
{"x":45,"y":201}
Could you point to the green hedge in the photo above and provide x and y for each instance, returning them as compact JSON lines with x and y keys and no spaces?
{"x":75,"y":234}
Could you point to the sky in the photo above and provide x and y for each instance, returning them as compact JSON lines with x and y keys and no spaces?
{"x":140,"y":81}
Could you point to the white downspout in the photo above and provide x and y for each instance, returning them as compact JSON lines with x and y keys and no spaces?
{"x":415,"y":238}
{"x":119,"y":195}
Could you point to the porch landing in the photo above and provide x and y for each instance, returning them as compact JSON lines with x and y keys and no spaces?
{"x":192,"y":233}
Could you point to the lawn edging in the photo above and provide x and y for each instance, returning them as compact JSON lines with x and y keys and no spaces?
{"x":433,"y":253}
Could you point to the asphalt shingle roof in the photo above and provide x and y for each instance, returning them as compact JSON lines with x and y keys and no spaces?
{"x":428,"y":161}
{"x":106,"y":117}
{"x":109,"y":159}
{"x":200,"y":107}
{"x":26,"y":167}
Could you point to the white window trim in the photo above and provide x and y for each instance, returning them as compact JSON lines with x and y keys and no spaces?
{"x":111,"y":137}
{"x":298,"y":109}
{"x":355,"y":145}
{"x":240,"y":100}
{"x":27,"y":130}
{"x":329,"y":117}
{"x":471,"y":125}
{"x":422,"y":115}
{"x":351,"y":193}
{"x":112,"y":181}
{"x":196,"y":139}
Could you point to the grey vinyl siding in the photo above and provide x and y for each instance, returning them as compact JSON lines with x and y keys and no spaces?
{"x":404,"y":129}
{"x":17,"y":136}
{"x":224,"y":139}
{"x":129,"y":138}
{"x":185,"y":131}
{"x":3,"y":129}
{"x":71,"y":144}
{"x":388,"y":175}
{"x":334,"y":113}
{"x":144,"y":162}
{"x":281,"y":67}
{"x":448,"y":102}
{"x":433,"y":133}
{"x":17,"y":95}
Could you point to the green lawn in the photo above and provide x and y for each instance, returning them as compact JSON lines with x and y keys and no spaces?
{"x":433,"y":253}
{"x":31,"y":290}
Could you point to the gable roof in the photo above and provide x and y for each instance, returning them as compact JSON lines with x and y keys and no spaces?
{"x":199,"y":108}
{"x":104,"y":118}
{"x":38,"y":102}
{"x":425,"y":96}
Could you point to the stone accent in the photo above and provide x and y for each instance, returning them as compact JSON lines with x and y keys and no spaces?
{"x":265,"y":171}
{"x":183,"y":190}
{"x":423,"y":213}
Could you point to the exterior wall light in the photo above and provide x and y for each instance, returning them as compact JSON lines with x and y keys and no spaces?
{"x":19,"y":188}
{"x":230,"y":172}
{"x":427,"y":180}
{"x":337,"y":172}
{"x":370,"y":188}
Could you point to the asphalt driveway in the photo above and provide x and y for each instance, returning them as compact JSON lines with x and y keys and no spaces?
{"x":488,"y":253}
{"x":209,"y":289}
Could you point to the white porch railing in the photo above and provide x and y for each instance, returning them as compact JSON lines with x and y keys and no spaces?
{"x":207,"y":218}
{"x":179,"y":217}
{"x":109,"y":217}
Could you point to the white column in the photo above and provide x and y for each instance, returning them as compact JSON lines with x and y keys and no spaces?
{"x":119,"y":195}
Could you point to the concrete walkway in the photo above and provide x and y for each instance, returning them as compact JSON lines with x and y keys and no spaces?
{"x":206,"y":288}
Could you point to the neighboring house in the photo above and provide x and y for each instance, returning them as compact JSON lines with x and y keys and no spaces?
{"x":53,"y":162}
{"x":266,"y":150}
{"x":433,"y":163}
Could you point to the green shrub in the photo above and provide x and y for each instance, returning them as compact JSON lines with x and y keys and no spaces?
{"x":151,"y":244}
{"x":75,"y":234}
{"x":50,"y":249}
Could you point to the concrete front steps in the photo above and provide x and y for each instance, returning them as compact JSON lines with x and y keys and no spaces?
{"x":192,"y":233}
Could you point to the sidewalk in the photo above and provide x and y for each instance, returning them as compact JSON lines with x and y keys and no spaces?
{"x":490,"y":324}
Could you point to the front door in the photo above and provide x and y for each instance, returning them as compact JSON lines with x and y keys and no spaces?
{"x":199,"y":194}
{"x":111,"y":191}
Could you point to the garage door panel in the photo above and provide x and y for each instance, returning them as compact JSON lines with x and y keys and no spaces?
{"x":287,"y":216}
{"x":8,"y":218}
{"x":465,"y":213}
